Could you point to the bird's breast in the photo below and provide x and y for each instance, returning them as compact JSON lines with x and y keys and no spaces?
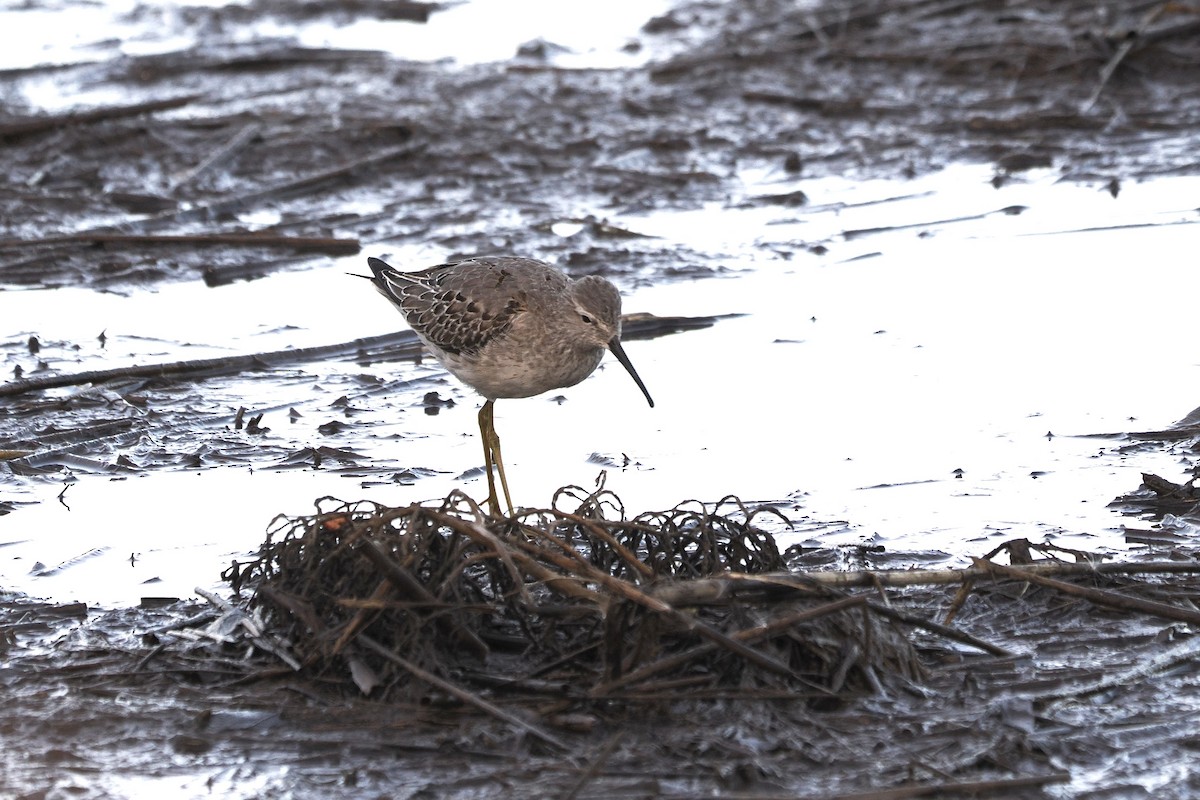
{"x":507,"y":370}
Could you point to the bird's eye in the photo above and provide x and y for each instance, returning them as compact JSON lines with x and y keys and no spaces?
{"x":586,"y":318}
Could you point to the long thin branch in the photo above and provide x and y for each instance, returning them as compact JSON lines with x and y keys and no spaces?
{"x":207,"y":367}
{"x":321,"y":244}
{"x":928,"y":577}
{"x":459,"y":692}
{"x":944,"y":631}
{"x":747,"y":635}
{"x":570,"y":557}
{"x":401,"y":344}
{"x":38,"y":124}
{"x":1098,"y":596}
{"x":1132,"y":39}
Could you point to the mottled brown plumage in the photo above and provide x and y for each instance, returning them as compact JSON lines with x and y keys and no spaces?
{"x":508,"y":327}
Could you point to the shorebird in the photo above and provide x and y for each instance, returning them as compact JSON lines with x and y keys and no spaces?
{"x":508,"y":327}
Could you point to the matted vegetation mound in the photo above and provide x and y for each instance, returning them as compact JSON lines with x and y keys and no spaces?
{"x":582,"y":604}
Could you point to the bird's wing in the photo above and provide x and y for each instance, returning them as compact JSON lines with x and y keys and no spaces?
{"x":457,"y":307}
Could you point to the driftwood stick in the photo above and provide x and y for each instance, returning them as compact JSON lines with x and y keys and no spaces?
{"x":401,"y":344}
{"x":38,"y":124}
{"x":1097,"y":596}
{"x":320,"y":244}
{"x":462,"y":694}
{"x":406,"y":341}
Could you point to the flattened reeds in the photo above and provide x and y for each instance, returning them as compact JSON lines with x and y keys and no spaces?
{"x":580,"y":604}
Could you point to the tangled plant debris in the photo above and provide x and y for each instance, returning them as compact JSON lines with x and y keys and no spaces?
{"x":677,"y":653}
{"x":578,"y":605}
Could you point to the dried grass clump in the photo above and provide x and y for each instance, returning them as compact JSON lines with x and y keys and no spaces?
{"x":580,"y":604}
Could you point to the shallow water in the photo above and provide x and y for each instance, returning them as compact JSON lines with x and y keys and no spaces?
{"x":855,"y":385}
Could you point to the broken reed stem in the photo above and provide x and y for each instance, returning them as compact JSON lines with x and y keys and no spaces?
{"x":407,"y":585}
{"x":1098,"y":596}
{"x":944,"y":631}
{"x":928,"y":577}
{"x":319,"y":244}
{"x":509,"y":556}
{"x":222,"y":153}
{"x":747,"y":635}
{"x":457,"y":691}
{"x":24,"y":127}
{"x":210,"y":367}
{"x":362,"y":617}
{"x":628,"y":591}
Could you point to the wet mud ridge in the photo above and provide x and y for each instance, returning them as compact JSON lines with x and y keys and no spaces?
{"x":577,"y":653}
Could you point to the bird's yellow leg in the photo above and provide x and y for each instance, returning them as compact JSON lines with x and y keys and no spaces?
{"x":491,"y":456}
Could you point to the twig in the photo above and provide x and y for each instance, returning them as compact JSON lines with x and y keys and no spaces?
{"x":460,"y":693}
{"x":222,"y":153}
{"x":320,"y":244}
{"x":1097,"y":596}
{"x":39,"y":124}
{"x":1132,"y":39}
{"x":405,"y":341}
{"x":391,"y":346}
{"x":941,"y":630}
{"x":630,"y":592}
{"x":407,"y":584}
{"x":997,"y":785}
{"x":748,"y":635}
{"x":142,"y":662}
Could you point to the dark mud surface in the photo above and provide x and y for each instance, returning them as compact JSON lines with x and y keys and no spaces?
{"x":346,"y":151}
{"x":352,"y":148}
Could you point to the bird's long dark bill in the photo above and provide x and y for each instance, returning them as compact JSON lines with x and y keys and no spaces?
{"x":614,"y":345}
